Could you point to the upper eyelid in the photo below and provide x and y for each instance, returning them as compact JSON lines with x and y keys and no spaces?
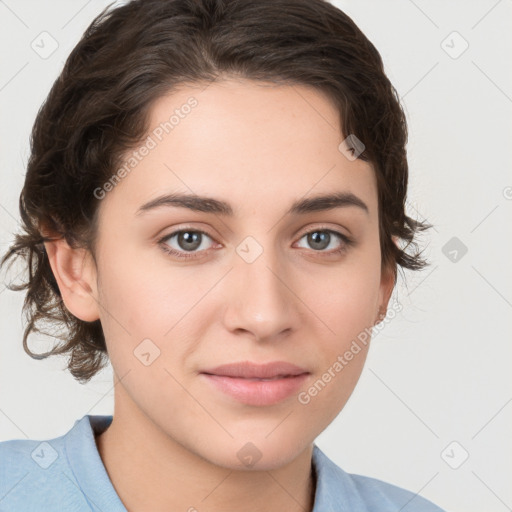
{"x":303,"y":232}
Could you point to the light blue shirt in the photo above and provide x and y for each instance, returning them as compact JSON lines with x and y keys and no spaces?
{"x":67,"y":474}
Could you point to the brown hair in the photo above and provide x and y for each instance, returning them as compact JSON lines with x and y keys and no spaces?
{"x":128,"y":57}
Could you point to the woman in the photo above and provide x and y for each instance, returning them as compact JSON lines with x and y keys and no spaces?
{"x":214,"y":203}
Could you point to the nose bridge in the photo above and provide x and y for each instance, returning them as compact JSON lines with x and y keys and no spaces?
{"x":261,"y":302}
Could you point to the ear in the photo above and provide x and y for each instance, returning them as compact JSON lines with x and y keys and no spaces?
{"x":75,"y":273}
{"x":387,"y":285}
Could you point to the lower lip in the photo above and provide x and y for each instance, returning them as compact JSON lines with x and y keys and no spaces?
{"x":257,"y":392}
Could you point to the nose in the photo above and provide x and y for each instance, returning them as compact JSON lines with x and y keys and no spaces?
{"x":259,"y":298}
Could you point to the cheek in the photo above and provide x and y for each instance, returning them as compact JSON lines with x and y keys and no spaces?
{"x":348,"y":311}
{"x":142,"y":299}
{"x":142,"y":317}
{"x":346,"y":305}
{"x":148,"y":313}
{"x":346,"y":302}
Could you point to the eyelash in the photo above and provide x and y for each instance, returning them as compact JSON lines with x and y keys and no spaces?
{"x":347,"y":242}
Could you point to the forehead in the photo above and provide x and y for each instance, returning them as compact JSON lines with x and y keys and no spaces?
{"x":246,"y":142}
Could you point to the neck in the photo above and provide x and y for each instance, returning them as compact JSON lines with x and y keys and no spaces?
{"x":151,"y":471}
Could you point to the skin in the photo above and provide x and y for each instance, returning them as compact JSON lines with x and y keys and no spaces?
{"x":174,"y":438}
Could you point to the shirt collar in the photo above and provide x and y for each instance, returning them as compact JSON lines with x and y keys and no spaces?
{"x":331,"y":482}
{"x":334,"y":487}
{"x":87,"y":466}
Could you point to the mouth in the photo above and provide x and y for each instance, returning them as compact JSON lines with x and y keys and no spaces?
{"x":255,"y":384}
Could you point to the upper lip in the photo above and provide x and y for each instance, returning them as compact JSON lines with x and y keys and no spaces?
{"x":249,"y":370}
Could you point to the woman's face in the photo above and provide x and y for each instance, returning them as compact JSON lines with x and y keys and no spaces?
{"x":254,"y":287}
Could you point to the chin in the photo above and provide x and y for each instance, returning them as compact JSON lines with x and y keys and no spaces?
{"x":257,"y":454}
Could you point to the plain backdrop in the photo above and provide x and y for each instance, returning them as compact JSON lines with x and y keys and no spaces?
{"x":432,"y":411}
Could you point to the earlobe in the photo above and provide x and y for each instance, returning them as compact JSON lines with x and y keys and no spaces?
{"x":75,"y":273}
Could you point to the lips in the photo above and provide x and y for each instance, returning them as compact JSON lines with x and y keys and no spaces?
{"x":248,"y":370}
{"x":256,"y":384}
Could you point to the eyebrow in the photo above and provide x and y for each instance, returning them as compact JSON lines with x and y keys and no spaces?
{"x":211,"y":205}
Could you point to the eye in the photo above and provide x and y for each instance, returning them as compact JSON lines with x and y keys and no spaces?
{"x":320,"y":239}
{"x":187,"y":241}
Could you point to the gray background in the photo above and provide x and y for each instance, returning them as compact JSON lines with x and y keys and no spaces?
{"x":436,"y":387}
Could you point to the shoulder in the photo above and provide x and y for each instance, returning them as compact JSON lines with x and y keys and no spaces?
{"x":35,"y":475}
{"x":336,"y":488}
{"x":379,"y":492}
